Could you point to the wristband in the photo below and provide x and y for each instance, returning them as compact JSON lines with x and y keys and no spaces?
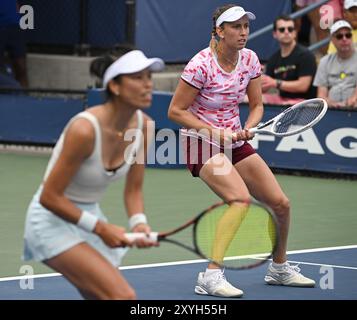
{"x":87,"y":221}
{"x":278,"y":83}
{"x":137,"y":218}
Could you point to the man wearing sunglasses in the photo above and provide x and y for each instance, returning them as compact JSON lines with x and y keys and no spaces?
{"x":336,"y":77}
{"x":291,"y":69}
{"x":350,"y":15}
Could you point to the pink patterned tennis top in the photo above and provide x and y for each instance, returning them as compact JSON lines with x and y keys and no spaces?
{"x":217,"y":102}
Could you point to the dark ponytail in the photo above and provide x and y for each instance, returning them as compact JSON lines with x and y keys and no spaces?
{"x":99,"y":65}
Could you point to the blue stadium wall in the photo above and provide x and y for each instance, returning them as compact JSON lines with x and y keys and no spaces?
{"x":172,"y":30}
{"x":59,"y":22}
{"x":176,"y":30}
{"x":331,"y":146}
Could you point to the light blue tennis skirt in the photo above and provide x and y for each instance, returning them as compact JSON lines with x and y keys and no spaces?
{"x":47,"y":235}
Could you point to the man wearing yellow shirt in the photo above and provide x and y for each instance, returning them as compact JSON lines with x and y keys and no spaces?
{"x":350,"y":15}
{"x":336,"y":75}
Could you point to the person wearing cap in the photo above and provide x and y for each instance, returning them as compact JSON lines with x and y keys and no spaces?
{"x":350,"y":15}
{"x":314,"y":16}
{"x":336,"y":76}
{"x":206,"y":102}
{"x":65,"y":227}
{"x":290,"y":70}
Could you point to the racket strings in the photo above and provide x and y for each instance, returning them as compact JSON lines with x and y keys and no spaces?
{"x":299,"y":117}
{"x":236,"y":238}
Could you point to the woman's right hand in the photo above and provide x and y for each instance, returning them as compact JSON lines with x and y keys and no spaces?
{"x":112,"y":235}
{"x":224,"y":136}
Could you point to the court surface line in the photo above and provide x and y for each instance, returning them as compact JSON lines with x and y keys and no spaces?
{"x":165,"y":264}
{"x":323,"y":264}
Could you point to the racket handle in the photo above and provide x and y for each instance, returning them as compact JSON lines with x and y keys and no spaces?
{"x":253,"y":130}
{"x":153,"y":236}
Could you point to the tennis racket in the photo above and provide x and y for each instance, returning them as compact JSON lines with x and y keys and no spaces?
{"x":233,"y":236}
{"x":294,"y":119}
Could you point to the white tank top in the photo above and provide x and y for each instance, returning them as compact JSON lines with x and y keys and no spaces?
{"x":91,"y":180}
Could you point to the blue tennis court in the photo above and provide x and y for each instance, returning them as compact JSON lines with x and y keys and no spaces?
{"x":334,"y":270}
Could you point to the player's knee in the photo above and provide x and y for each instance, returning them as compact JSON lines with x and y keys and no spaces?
{"x":281,"y":206}
{"x":130,"y":295}
{"x":119,"y":294}
{"x":238,"y":198}
{"x":114,"y":291}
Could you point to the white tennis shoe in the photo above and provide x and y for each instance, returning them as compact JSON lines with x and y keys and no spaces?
{"x":215,"y":284}
{"x":287,"y":276}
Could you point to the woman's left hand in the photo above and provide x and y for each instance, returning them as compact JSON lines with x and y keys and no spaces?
{"x":143,"y":243}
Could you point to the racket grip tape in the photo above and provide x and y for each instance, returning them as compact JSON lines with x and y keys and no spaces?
{"x":253,"y":130}
{"x":153,"y":236}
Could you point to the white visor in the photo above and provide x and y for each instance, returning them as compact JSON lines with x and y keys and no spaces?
{"x":233,"y":14}
{"x":131,"y":62}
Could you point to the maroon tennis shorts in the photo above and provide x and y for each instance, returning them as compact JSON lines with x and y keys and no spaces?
{"x":199,"y":153}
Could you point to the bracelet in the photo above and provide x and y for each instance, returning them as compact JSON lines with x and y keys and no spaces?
{"x":87,"y":221}
{"x":137,"y":218}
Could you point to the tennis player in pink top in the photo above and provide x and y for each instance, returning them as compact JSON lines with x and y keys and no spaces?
{"x":206,"y":104}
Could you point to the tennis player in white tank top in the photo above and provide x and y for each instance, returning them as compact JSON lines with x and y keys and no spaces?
{"x":207,"y":100}
{"x":65,"y":227}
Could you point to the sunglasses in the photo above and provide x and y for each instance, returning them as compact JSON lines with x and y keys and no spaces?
{"x":341,"y":35}
{"x":282,"y":29}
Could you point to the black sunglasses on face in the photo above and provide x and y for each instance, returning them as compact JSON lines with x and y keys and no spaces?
{"x":282,"y":29}
{"x":341,"y":35}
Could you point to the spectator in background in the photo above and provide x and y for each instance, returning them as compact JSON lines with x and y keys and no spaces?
{"x":350,"y":15}
{"x":336,"y":76}
{"x":291,"y":69}
{"x":315,"y":17}
{"x":12,"y":47}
